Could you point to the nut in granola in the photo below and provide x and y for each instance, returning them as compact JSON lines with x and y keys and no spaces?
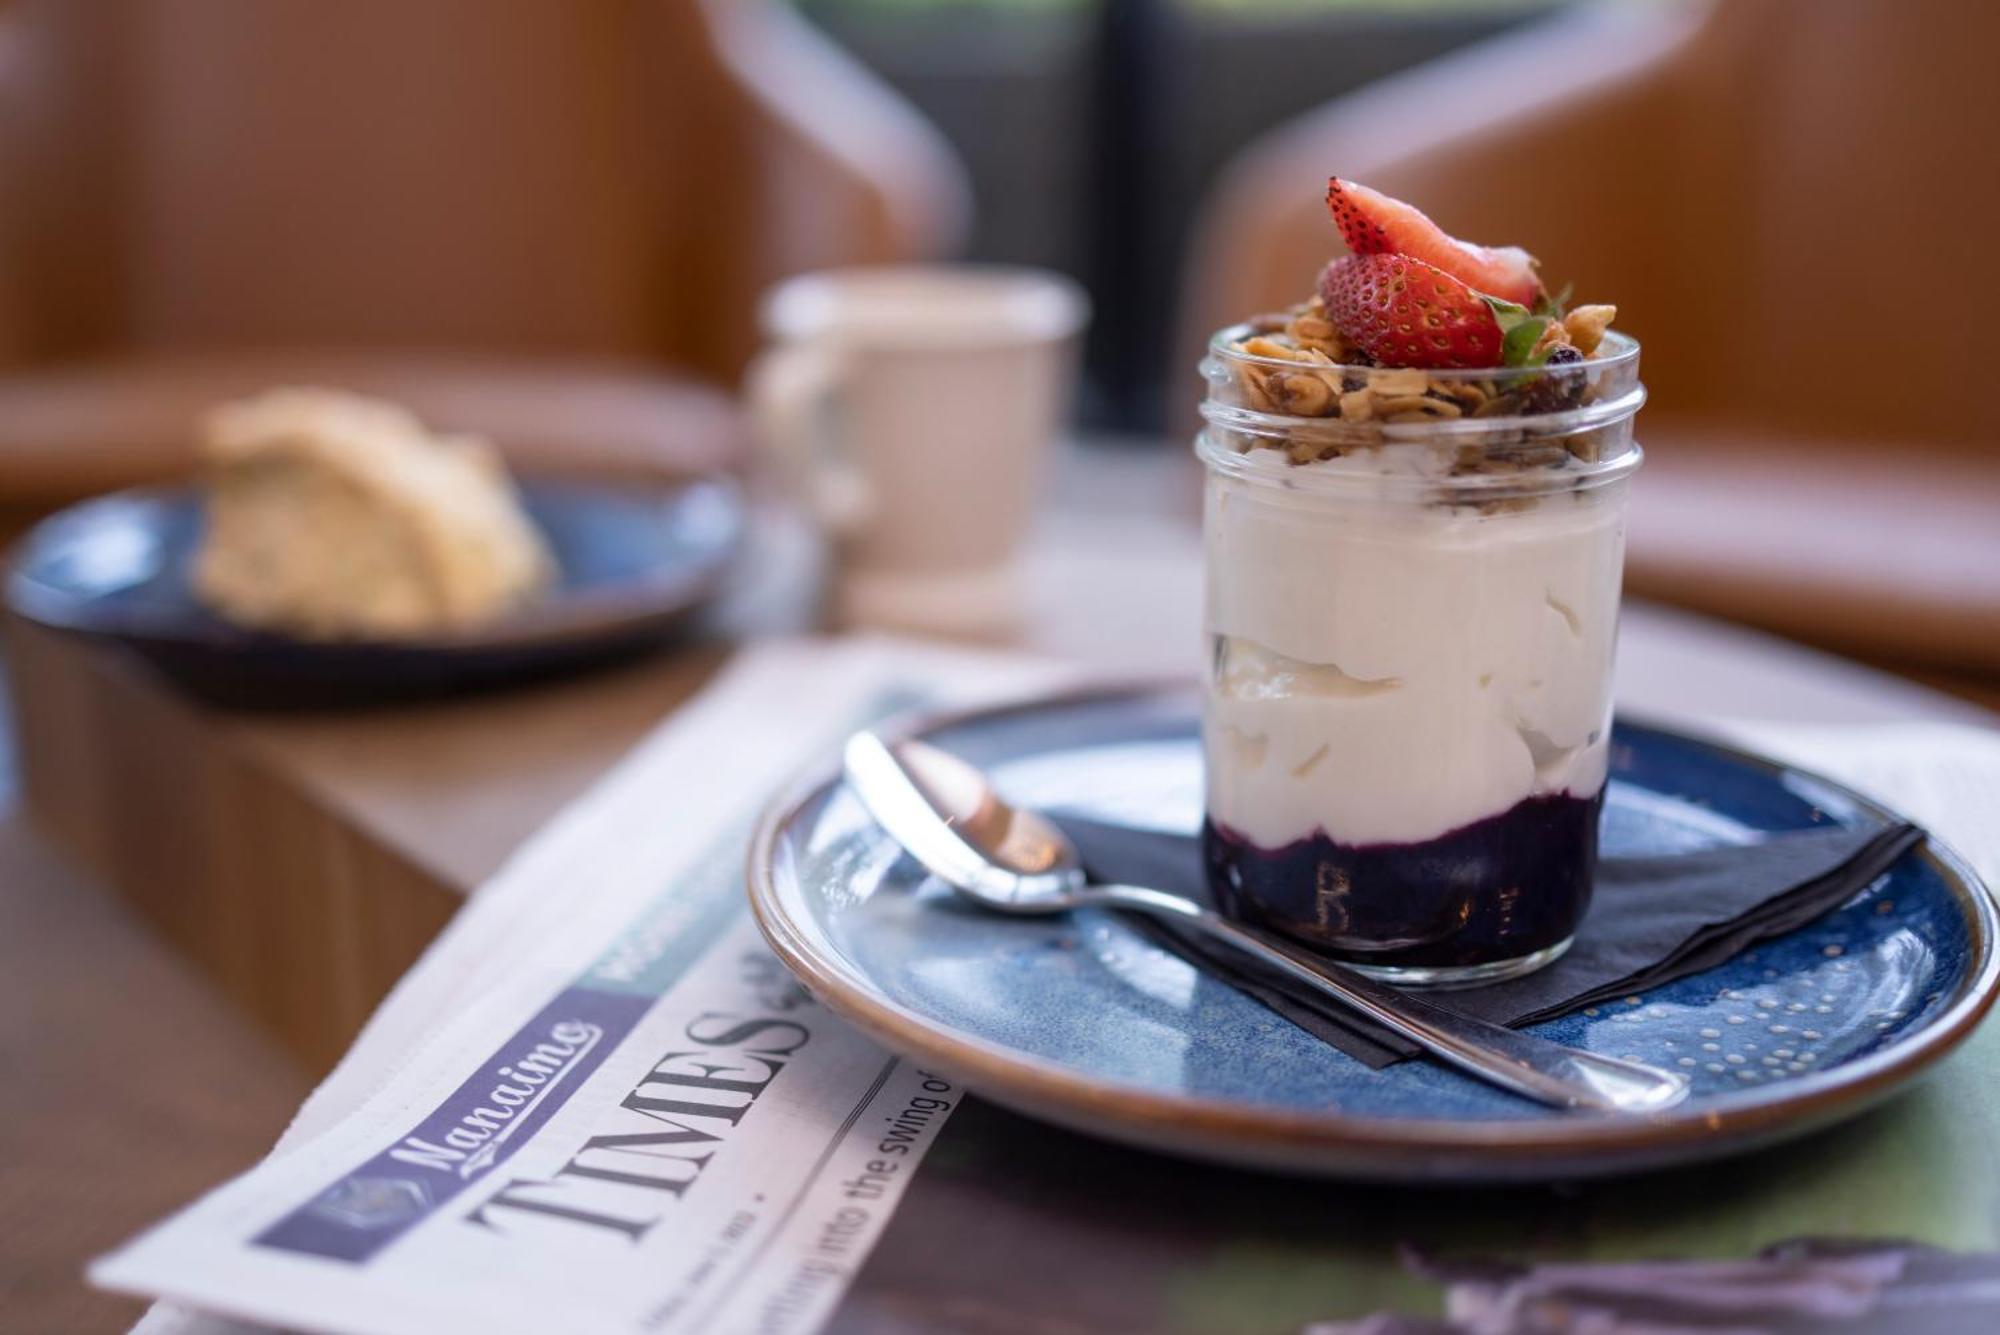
{"x":1586,"y":325}
{"x":1300,"y":393}
{"x":1310,"y":329}
{"x":1469,"y":395}
{"x":1401,"y":383}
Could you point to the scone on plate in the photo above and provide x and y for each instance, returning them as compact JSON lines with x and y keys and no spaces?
{"x":333,"y":516}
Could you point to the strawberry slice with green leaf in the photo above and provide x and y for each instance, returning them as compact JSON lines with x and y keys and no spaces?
{"x":1375,"y":224}
{"x":1404,"y":312}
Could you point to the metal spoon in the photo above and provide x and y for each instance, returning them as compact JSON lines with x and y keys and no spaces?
{"x":946,"y":814}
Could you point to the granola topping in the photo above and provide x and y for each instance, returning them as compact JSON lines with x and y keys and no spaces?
{"x":1416,"y":328}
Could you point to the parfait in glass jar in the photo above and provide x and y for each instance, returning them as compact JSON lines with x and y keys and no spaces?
{"x":1414,"y":527}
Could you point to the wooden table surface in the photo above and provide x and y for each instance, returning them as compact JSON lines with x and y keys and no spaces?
{"x":300,"y":862}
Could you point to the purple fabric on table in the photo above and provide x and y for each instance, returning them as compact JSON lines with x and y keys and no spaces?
{"x":1654,"y":919}
{"x":1859,"y":1287}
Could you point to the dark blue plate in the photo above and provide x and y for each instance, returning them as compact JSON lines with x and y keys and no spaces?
{"x":1083,"y":1022}
{"x":634,"y":561}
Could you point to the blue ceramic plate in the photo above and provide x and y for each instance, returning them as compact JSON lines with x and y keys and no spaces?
{"x":1079,"y":1020}
{"x":633,"y":561}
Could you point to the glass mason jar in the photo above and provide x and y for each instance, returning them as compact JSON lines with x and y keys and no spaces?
{"x":1412,"y":606}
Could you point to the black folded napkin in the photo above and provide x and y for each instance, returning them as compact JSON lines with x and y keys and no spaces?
{"x":1652,"y":920}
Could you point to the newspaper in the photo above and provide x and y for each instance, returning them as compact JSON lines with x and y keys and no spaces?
{"x":599,"y":1102}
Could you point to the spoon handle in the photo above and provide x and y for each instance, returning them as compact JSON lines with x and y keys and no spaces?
{"x":1547,"y":1072}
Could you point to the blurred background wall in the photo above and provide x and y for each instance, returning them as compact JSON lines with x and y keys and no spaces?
{"x":1789,"y":200}
{"x":1091,"y":129}
{"x":551,"y":223}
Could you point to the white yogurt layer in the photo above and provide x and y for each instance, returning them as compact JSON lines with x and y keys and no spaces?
{"x":1388,"y":670}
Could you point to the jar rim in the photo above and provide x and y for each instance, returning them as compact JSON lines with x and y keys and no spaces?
{"x":1616,"y":372}
{"x":1624,"y":351}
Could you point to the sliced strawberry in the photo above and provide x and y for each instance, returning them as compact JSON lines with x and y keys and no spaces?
{"x":1375,"y":224}
{"x":1404,"y":312}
